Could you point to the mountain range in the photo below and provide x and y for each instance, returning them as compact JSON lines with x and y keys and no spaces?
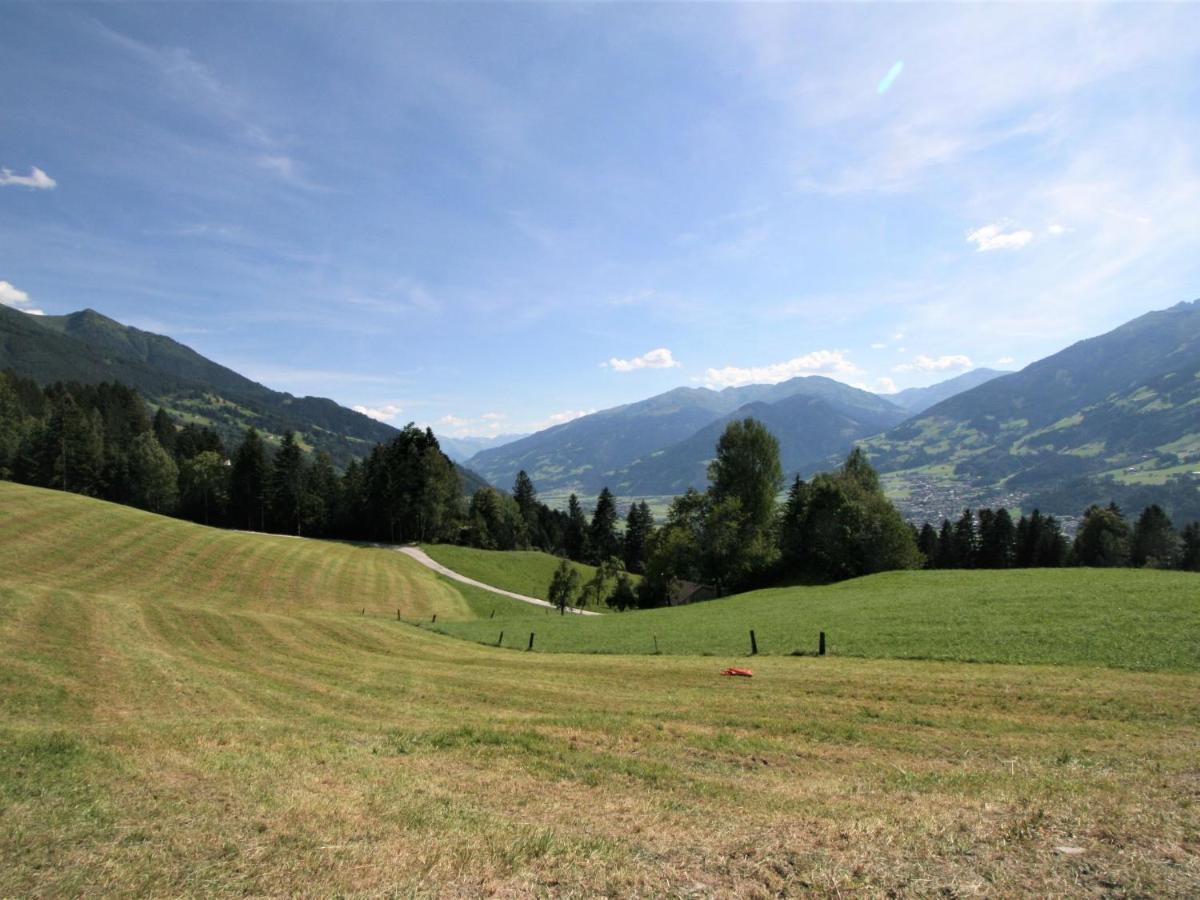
{"x":88,"y":347}
{"x":1113,"y":417}
{"x":1106,"y":418}
{"x":662,"y":445}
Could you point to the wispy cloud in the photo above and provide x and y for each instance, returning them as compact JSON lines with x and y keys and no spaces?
{"x":17,"y":299}
{"x":820,"y":362}
{"x":561,"y":418}
{"x":995,"y":237}
{"x":660,"y":358}
{"x":489,"y":424}
{"x":36,"y":179}
{"x":935,"y":364}
{"x":385,"y":413}
{"x":400,"y":295}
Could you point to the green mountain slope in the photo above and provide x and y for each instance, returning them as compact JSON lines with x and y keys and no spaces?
{"x":808,"y":428}
{"x":1123,"y":406}
{"x":89,"y":347}
{"x":598,"y":449}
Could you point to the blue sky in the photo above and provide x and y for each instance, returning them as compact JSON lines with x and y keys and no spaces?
{"x":490,"y":218}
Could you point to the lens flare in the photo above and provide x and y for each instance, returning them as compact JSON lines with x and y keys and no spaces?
{"x":889,"y":79}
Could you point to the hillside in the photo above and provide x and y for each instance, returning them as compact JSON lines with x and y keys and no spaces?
{"x":808,"y":429}
{"x":89,"y":347}
{"x":1122,"y":406}
{"x":187,"y":711}
{"x":585,"y":454}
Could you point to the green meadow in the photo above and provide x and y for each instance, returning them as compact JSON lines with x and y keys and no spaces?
{"x":1124,"y":618}
{"x":525,"y":572}
{"x":186,"y":711}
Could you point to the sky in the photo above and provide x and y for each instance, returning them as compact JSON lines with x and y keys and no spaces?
{"x":493,"y":218}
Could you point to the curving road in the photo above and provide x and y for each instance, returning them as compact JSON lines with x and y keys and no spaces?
{"x":430,"y":563}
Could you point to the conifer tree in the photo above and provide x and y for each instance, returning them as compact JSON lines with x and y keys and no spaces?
{"x":575,"y":535}
{"x":1154,"y":541}
{"x":602,"y":534}
{"x":639,"y":525}
{"x":287,"y":486}
{"x":248,"y":483}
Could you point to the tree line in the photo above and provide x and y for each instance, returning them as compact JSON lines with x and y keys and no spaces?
{"x":990,"y":539}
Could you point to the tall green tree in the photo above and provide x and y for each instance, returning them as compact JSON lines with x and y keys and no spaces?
{"x":1189,"y":557}
{"x":849,"y":528}
{"x":791,"y":524}
{"x":927,"y":543}
{"x":71,"y":452}
{"x":602,"y":534}
{"x":203,"y":487}
{"x":248,"y":482}
{"x":286,"y":486}
{"x":740,"y":544}
{"x":1040,"y":542}
{"x":164,"y":430}
{"x":1103,"y":538}
{"x":14,"y":426}
{"x":639,"y":526}
{"x":575,"y":535}
{"x":966,"y":540}
{"x":674,"y":552}
{"x":1154,"y":543}
{"x":154,"y":473}
{"x":997,"y":539}
{"x":320,"y":496}
{"x":747,"y":467}
{"x":525,"y":495}
{"x":413,"y":489}
{"x":947,"y":548}
{"x":495,"y":521}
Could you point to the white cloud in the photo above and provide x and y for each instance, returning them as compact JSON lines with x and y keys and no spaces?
{"x":385,"y":413}
{"x":10,"y":296}
{"x":36,"y":179}
{"x":879,"y":346}
{"x":1056,"y":229}
{"x":819,"y":362}
{"x":17,"y":299}
{"x":660,"y":358}
{"x":886,"y":386}
{"x":935,"y":364}
{"x":489,"y":424}
{"x":994,"y":237}
{"x":1004,"y":361}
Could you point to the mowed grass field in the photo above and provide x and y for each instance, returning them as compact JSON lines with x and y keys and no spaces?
{"x":192,"y":712}
{"x":1126,"y":618}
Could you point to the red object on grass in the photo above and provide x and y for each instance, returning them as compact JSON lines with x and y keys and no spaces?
{"x":732,"y":671}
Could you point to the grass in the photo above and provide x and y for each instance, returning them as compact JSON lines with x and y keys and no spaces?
{"x":195,"y":712}
{"x":1136,"y":619}
{"x":525,"y":572}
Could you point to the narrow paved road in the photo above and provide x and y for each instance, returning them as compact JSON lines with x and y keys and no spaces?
{"x":430,"y":563}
